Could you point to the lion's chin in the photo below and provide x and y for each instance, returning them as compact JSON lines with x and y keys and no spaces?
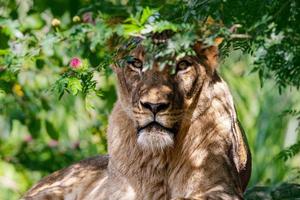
{"x":155,"y":138}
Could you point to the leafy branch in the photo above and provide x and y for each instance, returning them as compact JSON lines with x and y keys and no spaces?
{"x":289,"y":152}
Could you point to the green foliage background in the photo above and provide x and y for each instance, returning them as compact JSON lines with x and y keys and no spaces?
{"x":52,"y":115}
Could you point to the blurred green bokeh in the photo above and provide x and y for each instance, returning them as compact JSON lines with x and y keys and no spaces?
{"x":40,"y":133}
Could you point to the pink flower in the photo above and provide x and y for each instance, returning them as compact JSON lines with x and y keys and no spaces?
{"x":88,"y":18}
{"x":28,"y":138}
{"x":53,"y":143}
{"x":75,"y":63}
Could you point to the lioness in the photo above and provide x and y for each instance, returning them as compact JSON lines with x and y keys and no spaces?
{"x":170,"y":136}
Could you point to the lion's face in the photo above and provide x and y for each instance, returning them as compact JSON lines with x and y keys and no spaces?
{"x":157,"y":98}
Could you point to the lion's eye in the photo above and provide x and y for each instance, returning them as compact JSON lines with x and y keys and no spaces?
{"x":137,"y":63}
{"x":182,"y":65}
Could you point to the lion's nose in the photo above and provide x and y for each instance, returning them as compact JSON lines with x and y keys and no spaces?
{"x":155,"y":107}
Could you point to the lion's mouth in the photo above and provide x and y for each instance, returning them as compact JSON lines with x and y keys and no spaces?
{"x":156,"y":127}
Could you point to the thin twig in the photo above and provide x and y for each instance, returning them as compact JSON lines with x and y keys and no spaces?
{"x":240,"y":36}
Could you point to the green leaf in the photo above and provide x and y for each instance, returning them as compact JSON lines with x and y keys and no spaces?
{"x":4,"y":51}
{"x":289,"y":152}
{"x":147,"y":12}
{"x":32,"y":22}
{"x":131,"y":29}
{"x":74,"y":85}
{"x":52,"y":132}
{"x":164,"y":25}
{"x":34,"y":127}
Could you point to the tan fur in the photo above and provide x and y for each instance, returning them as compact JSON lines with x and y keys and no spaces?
{"x":205,"y":157}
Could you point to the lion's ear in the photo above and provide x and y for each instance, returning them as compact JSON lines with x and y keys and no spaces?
{"x":209,"y":55}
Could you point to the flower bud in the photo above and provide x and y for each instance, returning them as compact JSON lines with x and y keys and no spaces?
{"x":76,"y":19}
{"x":55,"y":22}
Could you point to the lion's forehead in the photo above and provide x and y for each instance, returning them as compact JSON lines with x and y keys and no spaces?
{"x":156,"y":84}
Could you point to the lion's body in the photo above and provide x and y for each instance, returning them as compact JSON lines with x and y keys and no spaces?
{"x":207,"y":158}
